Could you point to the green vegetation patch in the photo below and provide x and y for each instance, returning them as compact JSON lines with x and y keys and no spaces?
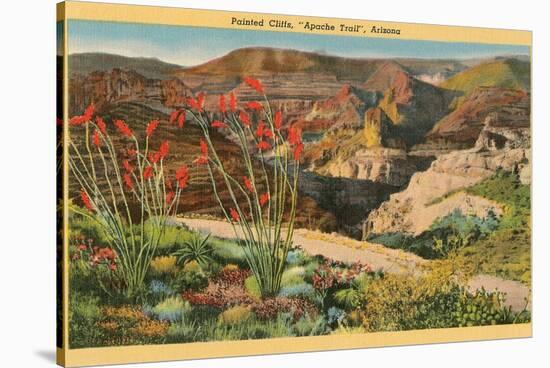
{"x":507,"y":252}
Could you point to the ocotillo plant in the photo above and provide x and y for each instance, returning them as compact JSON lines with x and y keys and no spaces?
{"x":270,"y":192}
{"x":112,"y":185}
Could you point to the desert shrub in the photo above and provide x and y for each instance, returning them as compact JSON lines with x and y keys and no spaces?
{"x":268,"y":308}
{"x":185,"y":330}
{"x":172,"y":238}
{"x":219,"y":295}
{"x":297,"y":257}
{"x":87,"y":228}
{"x":235,"y":315}
{"x":94,"y":269}
{"x":293,"y":276}
{"x":84,"y":313}
{"x":290,"y":282}
{"x":129,"y":325}
{"x":307,"y":326}
{"x":184,"y":280}
{"x":171,"y":309}
{"x":157,"y":291}
{"x":302,"y":290}
{"x":252,"y":287}
{"x":483,"y":308}
{"x":228,"y":251}
{"x":335,"y":316}
{"x":447,"y":234}
{"x":404,"y":302}
{"x":507,"y":252}
{"x":348,"y":298}
{"x":232,"y":276}
{"x":163,"y":266}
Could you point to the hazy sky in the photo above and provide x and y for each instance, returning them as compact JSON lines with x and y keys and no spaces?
{"x":194,"y":45}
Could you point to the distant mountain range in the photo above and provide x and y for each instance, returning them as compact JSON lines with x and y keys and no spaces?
{"x":85,"y":63}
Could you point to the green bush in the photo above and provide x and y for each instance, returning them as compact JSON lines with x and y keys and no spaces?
{"x":193,"y":279}
{"x":507,"y":252}
{"x":84,"y":313}
{"x":171,"y":309}
{"x":446,"y":234}
{"x":228,"y":251}
{"x":252,"y":287}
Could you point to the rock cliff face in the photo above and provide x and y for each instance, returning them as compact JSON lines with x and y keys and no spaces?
{"x":414,"y":209}
{"x":380,"y":165}
{"x":344,"y":110}
{"x":104,"y":88}
{"x":498,"y":106}
{"x":379,"y":130}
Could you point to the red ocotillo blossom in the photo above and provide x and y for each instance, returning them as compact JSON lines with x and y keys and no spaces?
{"x":81,"y":119}
{"x":222,"y":104}
{"x":198,"y":103}
{"x":260,"y":129}
{"x":77,"y":120}
{"x":268,"y":133}
{"x":218,"y":124}
{"x":173,"y":116}
{"x":278,"y":120}
{"x":264,"y":198}
{"x":153,"y":124}
{"x":243,"y":116}
{"x":248,"y":184}
{"x":203,"y":158}
{"x":294,"y":136}
{"x":232,"y":102}
{"x":128,"y":181}
{"x":86,"y":200}
{"x":181,"y":119}
{"x":169,"y":197}
{"x":182,"y":176}
{"x":101,"y":125}
{"x":200,"y":100}
{"x":254,"y":84}
{"x":154,"y":157}
{"x":234,"y":214}
{"x":127,"y":166}
{"x":298,"y":151}
{"x":263,"y":145}
{"x":254,"y":105}
{"x":89,"y":112}
{"x":163,"y":150}
{"x":148,"y":172}
{"x":95,"y":139}
{"x":123,"y":128}
{"x":131,"y":152}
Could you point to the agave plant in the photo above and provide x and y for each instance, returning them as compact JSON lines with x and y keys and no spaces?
{"x":197,"y":249}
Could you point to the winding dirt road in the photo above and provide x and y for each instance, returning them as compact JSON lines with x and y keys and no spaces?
{"x":348,"y":250}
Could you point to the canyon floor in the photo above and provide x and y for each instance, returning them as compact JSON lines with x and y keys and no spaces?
{"x":344,"y":249}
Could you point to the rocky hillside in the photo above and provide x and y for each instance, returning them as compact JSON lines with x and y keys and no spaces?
{"x":106,"y":88}
{"x":435,"y":192}
{"x":494,"y":105}
{"x":502,"y":72}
